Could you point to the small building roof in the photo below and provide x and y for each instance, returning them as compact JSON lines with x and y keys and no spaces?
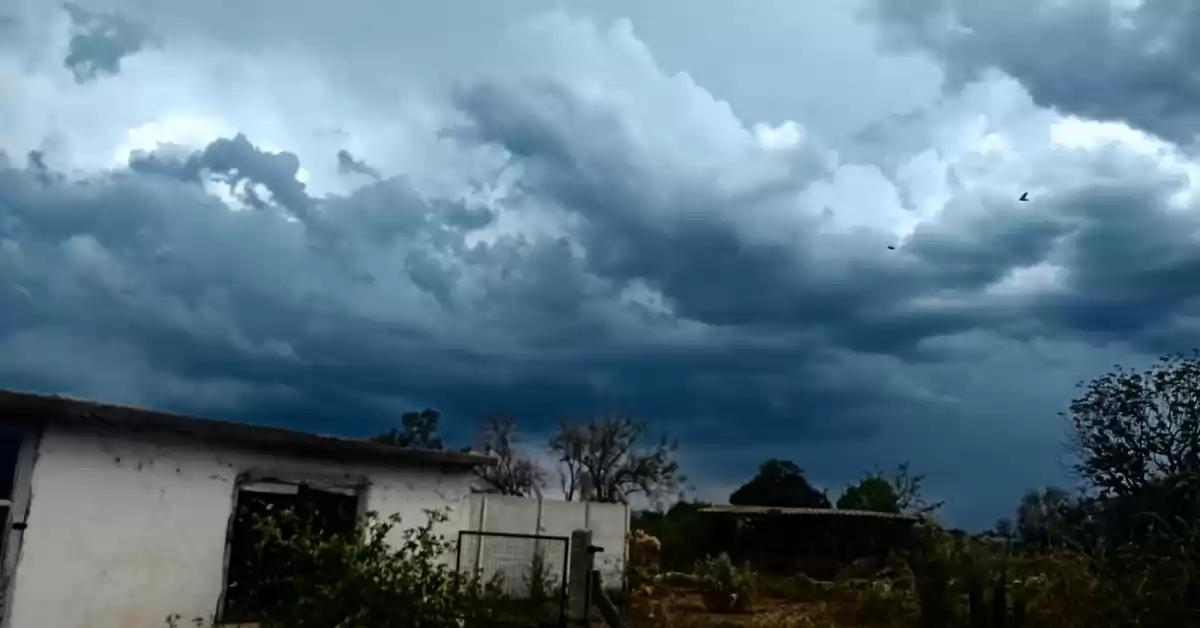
{"x":818,"y":512}
{"x":18,"y":408}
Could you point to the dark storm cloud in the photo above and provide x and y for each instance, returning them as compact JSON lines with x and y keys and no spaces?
{"x":347,"y":164}
{"x":188,"y":283}
{"x":647,"y":252}
{"x":643,"y":220}
{"x":99,"y":43}
{"x":236,"y":161}
{"x":1094,"y":59}
{"x":1113,"y":239}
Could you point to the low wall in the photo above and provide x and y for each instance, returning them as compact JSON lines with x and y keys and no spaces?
{"x":609,"y":524}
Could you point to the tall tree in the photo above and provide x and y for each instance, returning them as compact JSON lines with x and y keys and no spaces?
{"x":779,"y":484}
{"x":514,"y":473}
{"x":1042,"y":517}
{"x":1131,"y":430}
{"x":873,"y":493}
{"x":607,"y":452}
{"x":417,"y":429}
{"x":900,"y":492}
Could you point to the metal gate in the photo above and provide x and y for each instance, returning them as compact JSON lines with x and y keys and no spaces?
{"x":526,"y":566}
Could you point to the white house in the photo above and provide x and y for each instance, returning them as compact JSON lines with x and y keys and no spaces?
{"x":118,"y":517}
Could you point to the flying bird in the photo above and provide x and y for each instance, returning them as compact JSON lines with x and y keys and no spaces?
{"x":1024,"y":196}
{"x":891,"y":248}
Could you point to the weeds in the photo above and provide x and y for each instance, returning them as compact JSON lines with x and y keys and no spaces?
{"x":370,"y":579}
{"x":725,"y":587}
{"x":950,"y":581}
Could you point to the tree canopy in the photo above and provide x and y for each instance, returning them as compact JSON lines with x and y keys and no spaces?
{"x":1132,"y":430}
{"x":417,"y":429}
{"x":873,"y":493}
{"x":901,"y":492}
{"x":779,"y":484}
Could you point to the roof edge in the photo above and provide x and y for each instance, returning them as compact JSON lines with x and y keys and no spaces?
{"x":833,"y":512}
{"x":26,"y":407}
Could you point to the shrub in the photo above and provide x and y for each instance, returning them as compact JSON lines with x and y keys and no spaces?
{"x":725,"y":587}
{"x":362,"y":580}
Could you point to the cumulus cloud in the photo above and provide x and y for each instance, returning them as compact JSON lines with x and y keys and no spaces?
{"x":1120,"y":60}
{"x":580,"y":227}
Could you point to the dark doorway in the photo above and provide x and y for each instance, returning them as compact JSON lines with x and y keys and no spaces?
{"x":10,"y":448}
{"x":257,"y":573}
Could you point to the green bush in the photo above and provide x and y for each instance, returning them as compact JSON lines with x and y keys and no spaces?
{"x":364,"y":580}
{"x":725,"y":587}
{"x":1150,"y":582}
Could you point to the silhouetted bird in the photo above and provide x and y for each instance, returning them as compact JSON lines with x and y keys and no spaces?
{"x":891,"y":248}
{"x":1024,"y":196}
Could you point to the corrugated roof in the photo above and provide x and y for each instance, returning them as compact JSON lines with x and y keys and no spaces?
{"x":28,"y":408}
{"x":824,"y":512}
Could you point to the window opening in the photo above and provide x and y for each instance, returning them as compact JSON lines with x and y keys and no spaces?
{"x":257,"y":575}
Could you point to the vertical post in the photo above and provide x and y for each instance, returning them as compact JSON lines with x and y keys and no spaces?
{"x":458,"y":552}
{"x":537,"y":541}
{"x":562,"y":589}
{"x":579,"y":579}
{"x":538,"y":529}
{"x":607,"y":609}
{"x":626,"y":536}
{"x":479,"y":537}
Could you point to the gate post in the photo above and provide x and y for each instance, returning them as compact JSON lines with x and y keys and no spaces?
{"x":579,"y":580}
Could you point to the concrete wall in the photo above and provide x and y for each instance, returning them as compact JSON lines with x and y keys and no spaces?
{"x":609,"y":524}
{"x":123,"y":532}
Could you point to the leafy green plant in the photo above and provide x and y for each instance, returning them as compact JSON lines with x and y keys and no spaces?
{"x":725,"y":587}
{"x":370,"y":579}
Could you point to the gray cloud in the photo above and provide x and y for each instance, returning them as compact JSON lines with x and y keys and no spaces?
{"x":1112,"y":60}
{"x":347,"y":164}
{"x":586,"y":230}
{"x":99,"y":43}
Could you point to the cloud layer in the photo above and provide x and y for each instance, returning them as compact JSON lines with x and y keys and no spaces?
{"x":573,"y":226}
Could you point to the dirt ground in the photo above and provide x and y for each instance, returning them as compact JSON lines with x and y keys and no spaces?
{"x":686,"y":610}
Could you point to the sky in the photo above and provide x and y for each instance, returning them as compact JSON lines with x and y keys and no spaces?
{"x":770,"y":229}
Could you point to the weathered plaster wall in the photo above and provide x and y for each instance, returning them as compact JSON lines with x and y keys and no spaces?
{"x":123,"y":532}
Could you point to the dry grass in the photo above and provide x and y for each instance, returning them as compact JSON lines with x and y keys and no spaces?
{"x":1062,"y":589}
{"x":679,"y":601}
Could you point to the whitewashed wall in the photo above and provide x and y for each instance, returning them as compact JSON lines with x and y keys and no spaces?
{"x":609,"y":524}
{"x":123,"y":532}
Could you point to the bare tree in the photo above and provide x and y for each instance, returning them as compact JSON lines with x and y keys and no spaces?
{"x":910,"y":492}
{"x":514,"y":474}
{"x":607,"y":451}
